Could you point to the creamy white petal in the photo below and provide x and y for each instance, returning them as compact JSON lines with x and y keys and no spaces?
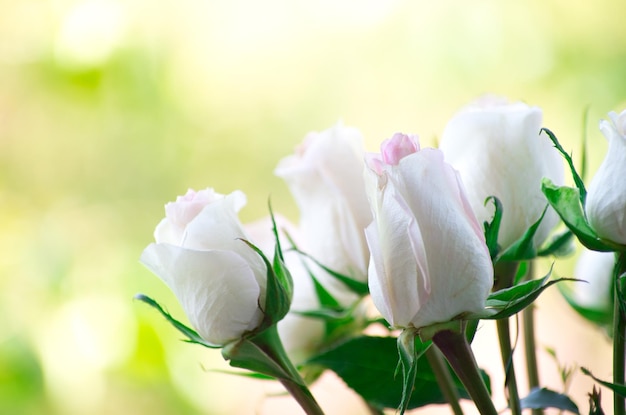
{"x":217,"y":289}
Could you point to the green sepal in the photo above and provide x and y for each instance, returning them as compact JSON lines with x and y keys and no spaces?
{"x":492,"y":229}
{"x":542,"y":398}
{"x":246,"y":354}
{"x":191,"y":335}
{"x":566,"y":202}
{"x":278,"y":292}
{"x":509,"y":301}
{"x":523,"y":248}
{"x":618,"y":389}
{"x":408,"y":356}
{"x":580,"y":185}
{"x":357,"y":287}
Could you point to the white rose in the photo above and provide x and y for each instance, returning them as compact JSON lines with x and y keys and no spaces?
{"x":429,"y":259}
{"x":218,"y":279}
{"x":606,"y":197}
{"x":325,"y":176}
{"x":498,"y":150}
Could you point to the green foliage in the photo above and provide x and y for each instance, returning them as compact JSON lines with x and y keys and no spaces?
{"x":509,"y":301}
{"x":542,"y":398}
{"x":191,"y":335}
{"x":617,"y":389}
{"x":368,"y":366}
{"x":566,"y":201}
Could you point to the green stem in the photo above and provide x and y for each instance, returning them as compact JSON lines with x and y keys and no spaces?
{"x":270,"y":343}
{"x":530,"y":346}
{"x":619,"y":333}
{"x":457,"y":351}
{"x":444,"y":379}
{"x":504,"y":277}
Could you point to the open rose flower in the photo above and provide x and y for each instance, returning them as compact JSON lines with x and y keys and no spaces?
{"x":606,"y":198}
{"x":498,"y":150}
{"x":429,"y":261}
{"x":218,"y":279}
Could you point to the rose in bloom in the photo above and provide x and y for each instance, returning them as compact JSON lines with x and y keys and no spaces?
{"x":499,"y":151}
{"x":325,"y":176}
{"x":595,"y":270}
{"x":218,"y":279}
{"x":606,"y":198}
{"x":429,"y":261}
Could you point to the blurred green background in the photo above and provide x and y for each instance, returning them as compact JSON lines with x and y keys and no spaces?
{"x":109,"y":109}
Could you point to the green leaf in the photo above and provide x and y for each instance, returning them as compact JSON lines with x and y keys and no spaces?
{"x":559,"y":245}
{"x":358,"y":287}
{"x":618,"y":389}
{"x":191,"y":335}
{"x":524,"y":248}
{"x":367,"y":365}
{"x":541,"y":398}
{"x":492,"y":229}
{"x":582,"y":192}
{"x":566,"y":202}
{"x":509,"y":301}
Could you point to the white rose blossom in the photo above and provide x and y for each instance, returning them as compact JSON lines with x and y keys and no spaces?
{"x":497,"y":148}
{"x":218,"y":279}
{"x":325,"y":177}
{"x":606,"y":197}
{"x":429,"y":261}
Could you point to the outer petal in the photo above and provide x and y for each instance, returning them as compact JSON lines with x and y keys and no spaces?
{"x":460,"y":269}
{"x":606,"y":198}
{"x":217,"y":289}
{"x":498,"y":151}
{"x":398,"y":272}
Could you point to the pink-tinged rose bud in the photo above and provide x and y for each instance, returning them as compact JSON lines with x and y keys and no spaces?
{"x":397,"y":147}
{"x":325,"y":177}
{"x":218,"y":279}
{"x":606,"y":196}
{"x":429,"y":261}
{"x":498,"y":150}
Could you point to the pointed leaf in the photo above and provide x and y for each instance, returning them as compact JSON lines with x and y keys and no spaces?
{"x":582,"y":192}
{"x":541,"y":398}
{"x":509,"y":301}
{"x":524,"y":248}
{"x":618,"y":389}
{"x":566,"y":202}
{"x":357,"y":287}
{"x":191,"y":334}
{"x":559,"y":245}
